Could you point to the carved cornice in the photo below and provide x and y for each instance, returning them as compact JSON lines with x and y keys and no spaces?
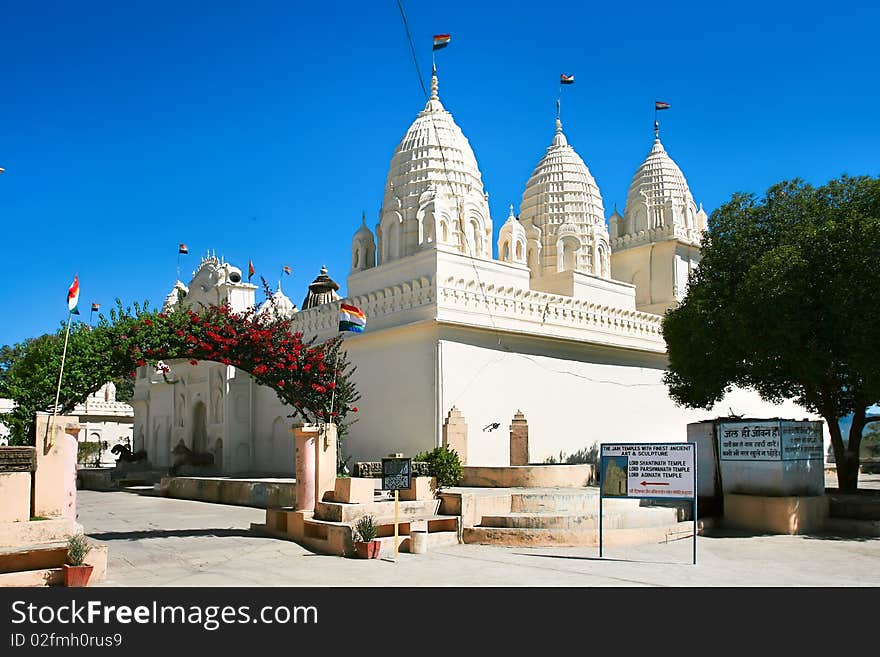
{"x":690,"y":236}
{"x":546,"y":309}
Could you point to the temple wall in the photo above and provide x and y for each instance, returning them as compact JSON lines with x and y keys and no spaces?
{"x":566,"y":393}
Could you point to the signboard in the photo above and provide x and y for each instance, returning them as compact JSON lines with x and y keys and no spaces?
{"x":770,"y":440}
{"x":396,"y":474}
{"x":648,"y":471}
{"x":802,"y":441}
{"x":665,"y":470}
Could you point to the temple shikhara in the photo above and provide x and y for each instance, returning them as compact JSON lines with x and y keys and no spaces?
{"x":560,"y":319}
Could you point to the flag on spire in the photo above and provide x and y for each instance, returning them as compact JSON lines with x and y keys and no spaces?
{"x":250,"y":270}
{"x":73,"y":296}
{"x":566,"y":79}
{"x":182,"y":249}
{"x":441,"y":41}
{"x":658,"y":105}
{"x":286,"y":270}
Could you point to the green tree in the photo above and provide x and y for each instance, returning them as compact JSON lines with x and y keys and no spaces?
{"x":29,"y":374}
{"x":785,"y":302}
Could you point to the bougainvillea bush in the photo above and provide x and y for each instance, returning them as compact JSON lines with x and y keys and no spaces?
{"x":306,"y":375}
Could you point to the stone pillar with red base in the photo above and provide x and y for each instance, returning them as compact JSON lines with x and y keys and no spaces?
{"x":315,"y":464}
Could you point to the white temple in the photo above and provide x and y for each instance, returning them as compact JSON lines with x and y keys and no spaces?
{"x":564,"y":325}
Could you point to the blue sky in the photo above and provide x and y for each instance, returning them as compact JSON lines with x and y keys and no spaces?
{"x":263,"y":129}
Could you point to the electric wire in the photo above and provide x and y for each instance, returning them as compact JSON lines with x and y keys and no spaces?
{"x":471,"y":256}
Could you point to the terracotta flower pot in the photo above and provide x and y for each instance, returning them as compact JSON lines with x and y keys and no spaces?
{"x":77,"y":575}
{"x":368,"y":550}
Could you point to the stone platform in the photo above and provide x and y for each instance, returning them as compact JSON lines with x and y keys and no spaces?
{"x":259,"y":492}
{"x":561,"y":516}
{"x":32,"y":553}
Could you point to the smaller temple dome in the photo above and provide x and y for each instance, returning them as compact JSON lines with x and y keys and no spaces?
{"x":512,"y":240}
{"x":659,"y":204}
{"x":178,"y":292}
{"x":322,"y":290}
{"x":279,"y":305}
{"x":363,"y":247}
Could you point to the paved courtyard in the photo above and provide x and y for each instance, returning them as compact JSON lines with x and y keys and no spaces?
{"x":156,"y":541}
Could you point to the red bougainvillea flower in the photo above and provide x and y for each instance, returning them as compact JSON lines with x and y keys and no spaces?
{"x":193,"y":362}
{"x":354,"y":409}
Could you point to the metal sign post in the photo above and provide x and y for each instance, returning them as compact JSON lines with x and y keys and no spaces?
{"x":601,"y":478}
{"x":396,"y":476}
{"x":660,"y":471}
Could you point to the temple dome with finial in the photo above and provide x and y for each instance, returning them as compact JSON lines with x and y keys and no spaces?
{"x":279,"y":305}
{"x":562,"y":193}
{"x":659,"y":203}
{"x":321,"y":290}
{"x":434,"y":190}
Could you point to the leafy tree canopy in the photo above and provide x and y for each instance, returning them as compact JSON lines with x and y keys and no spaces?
{"x":785,"y":302}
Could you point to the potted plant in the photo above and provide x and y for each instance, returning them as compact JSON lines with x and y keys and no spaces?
{"x":365,"y":543}
{"x":77,"y":573}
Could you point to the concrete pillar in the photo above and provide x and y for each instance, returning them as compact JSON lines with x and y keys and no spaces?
{"x":305,"y":468}
{"x":325,"y":462}
{"x":519,"y":440}
{"x":315,"y":463}
{"x":455,"y":434}
{"x":55,"y":475}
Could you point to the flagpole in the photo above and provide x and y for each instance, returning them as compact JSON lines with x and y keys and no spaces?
{"x":335,"y":369}
{"x":60,"y":374}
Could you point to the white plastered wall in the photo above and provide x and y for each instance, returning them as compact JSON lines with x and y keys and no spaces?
{"x":564,"y":390}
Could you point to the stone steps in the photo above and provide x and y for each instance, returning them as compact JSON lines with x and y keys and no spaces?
{"x":342,"y":512}
{"x":557,"y":501}
{"x":579,"y":521}
{"x":852,"y":527}
{"x":333,"y":537}
{"x":14,"y":534}
{"x":33,"y":578}
{"x":32,"y":557}
{"x":40,"y":564}
{"x":542,"y":537}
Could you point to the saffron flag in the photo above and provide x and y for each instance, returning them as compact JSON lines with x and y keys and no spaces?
{"x":95,"y":307}
{"x":73,"y":296}
{"x":441,"y":41}
{"x":286,"y":269}
{"x":182,"y":249}
{"x":660,"y":106}
{"x":566,"y":79}
{"x":351,"y":318}
{"x":250,"y":269}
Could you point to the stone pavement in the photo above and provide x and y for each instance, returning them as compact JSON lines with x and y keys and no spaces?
{"x":158,"y":541}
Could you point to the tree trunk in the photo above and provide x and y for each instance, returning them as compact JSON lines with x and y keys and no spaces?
{"x":847,"y":477}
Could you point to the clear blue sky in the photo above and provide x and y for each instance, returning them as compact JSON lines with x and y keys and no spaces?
{"x":263,"y":129}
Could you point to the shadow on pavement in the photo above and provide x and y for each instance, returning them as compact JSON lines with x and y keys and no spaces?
{"x":600,"y":559}
{"x":168,"y":533}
